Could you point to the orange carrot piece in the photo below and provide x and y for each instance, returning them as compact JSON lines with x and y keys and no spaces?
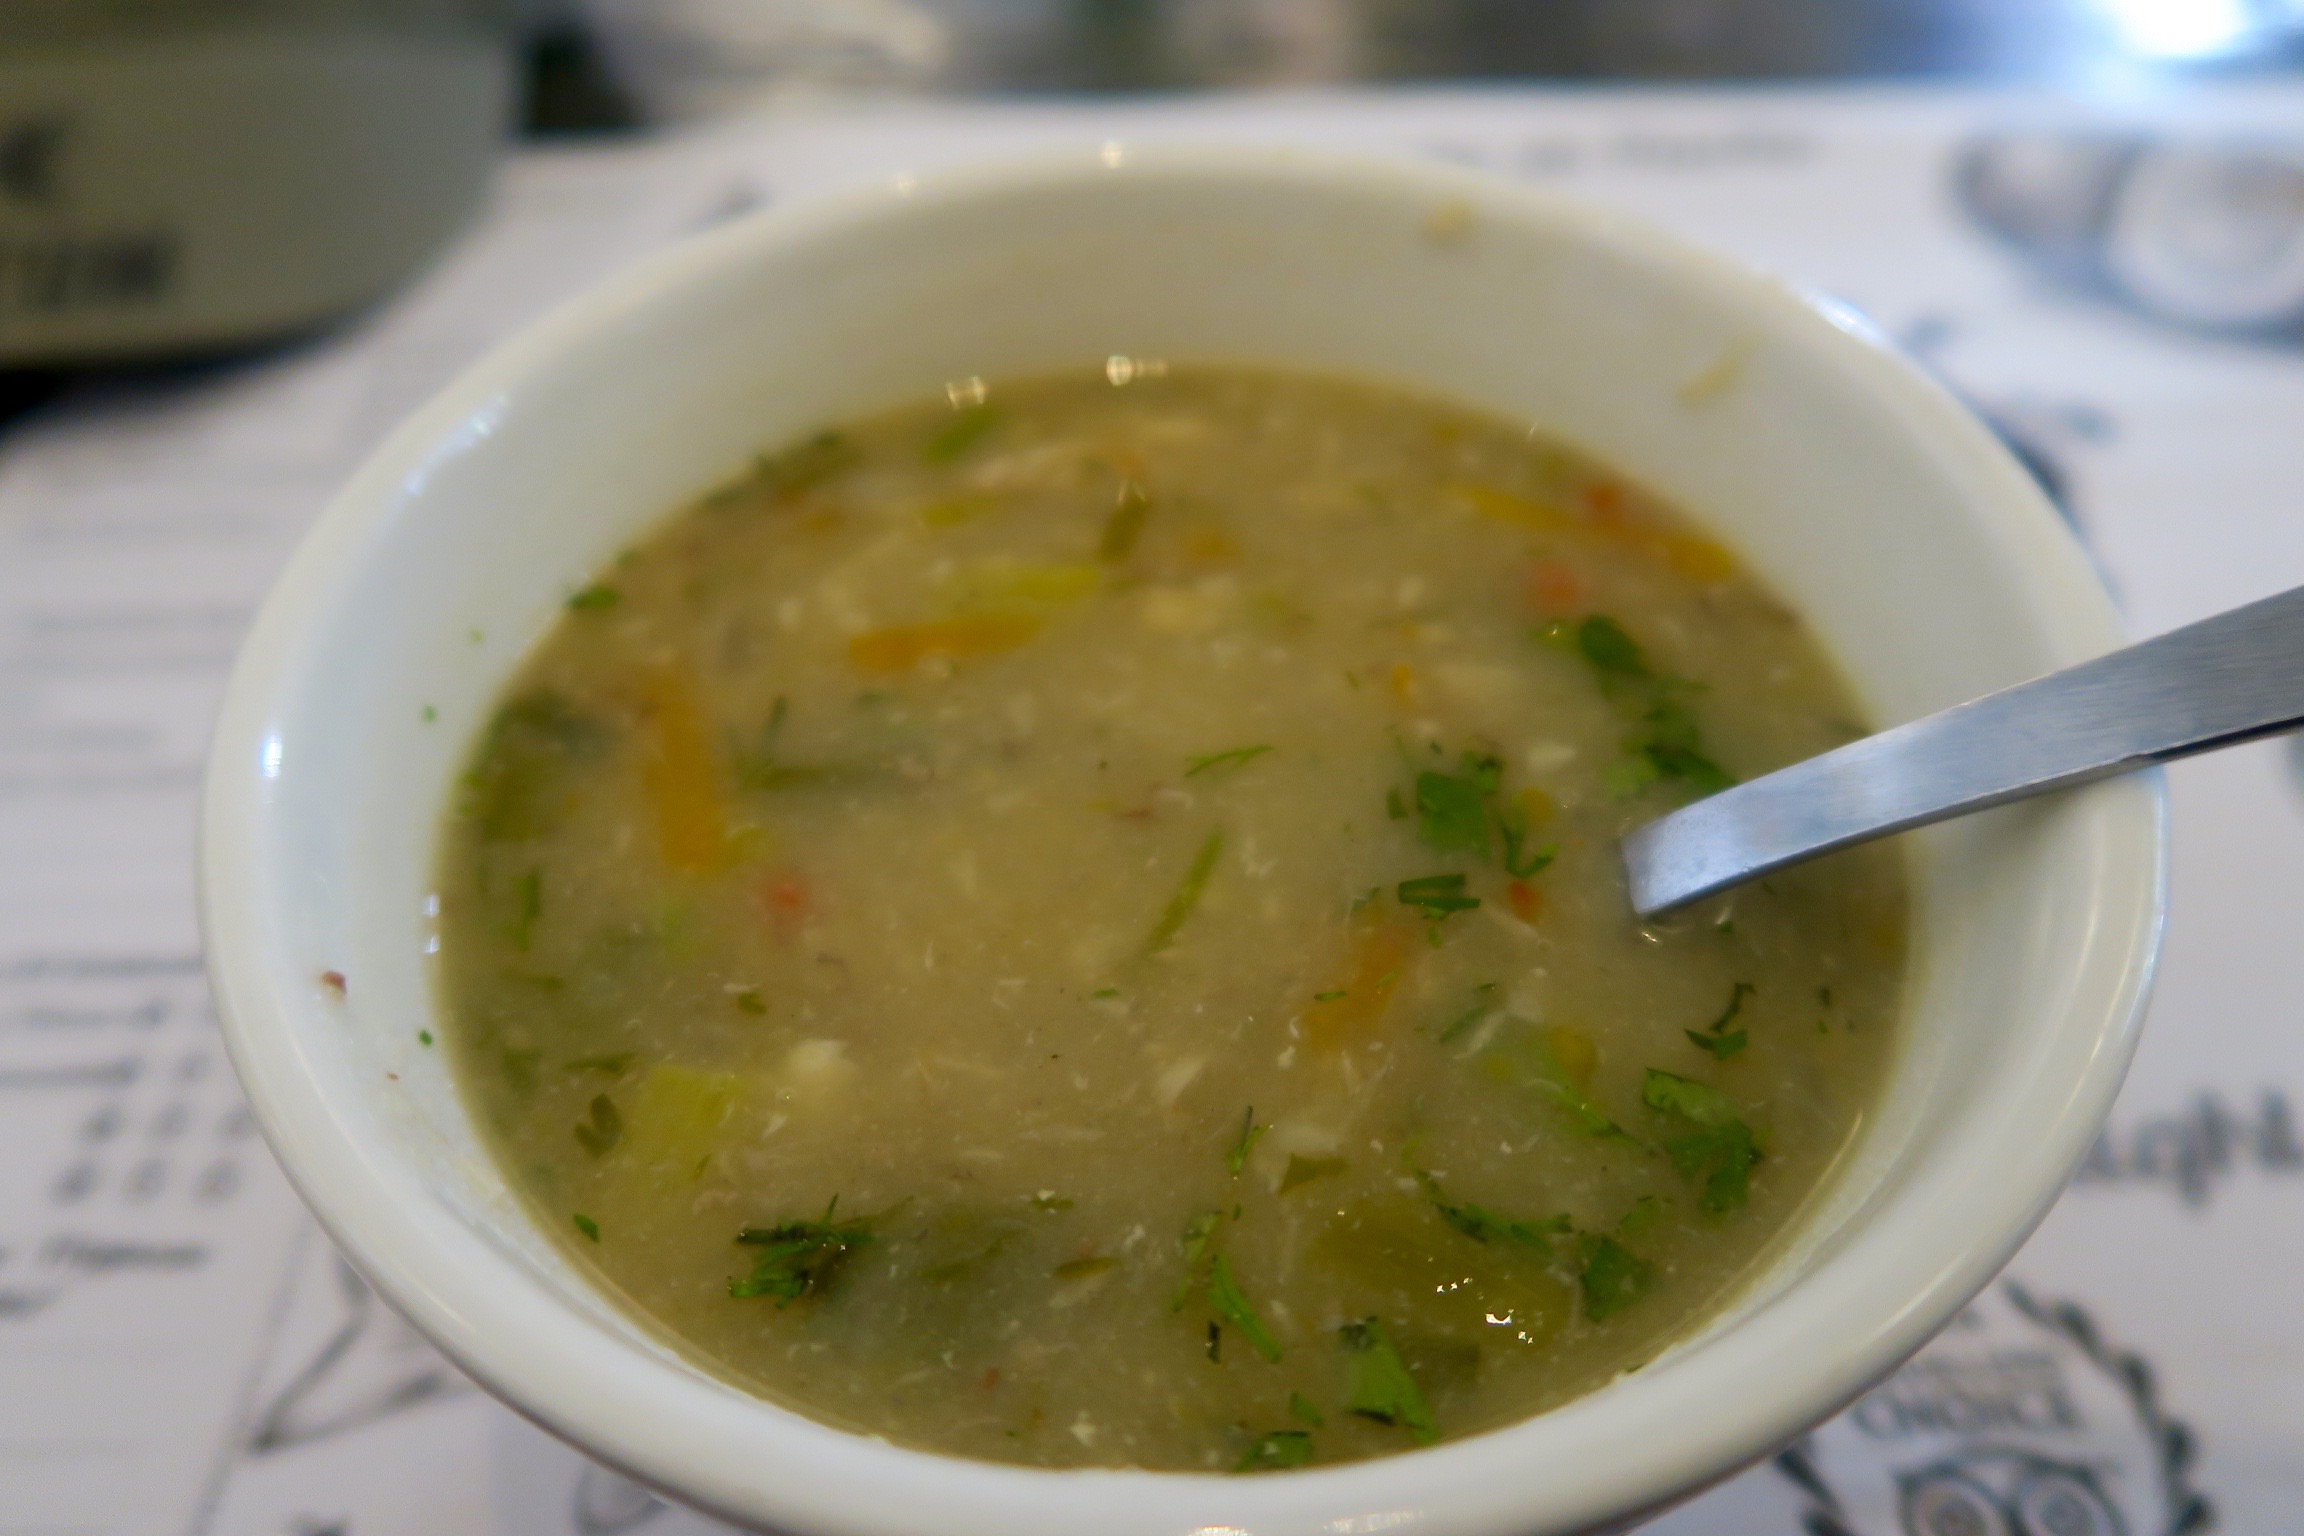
{"x":904,"y":646}
{"x":1553,"y":587}
{"x":1526,"y":901}
{"x":680,"y":776}
{"x":1381,"y":955}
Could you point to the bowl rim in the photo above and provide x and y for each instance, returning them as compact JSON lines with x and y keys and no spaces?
{"x":714,"y":1446}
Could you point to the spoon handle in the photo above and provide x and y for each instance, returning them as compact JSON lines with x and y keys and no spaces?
{"x":2222,"y":681}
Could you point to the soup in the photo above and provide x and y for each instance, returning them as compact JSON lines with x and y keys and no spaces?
{"x":1080,"y":924}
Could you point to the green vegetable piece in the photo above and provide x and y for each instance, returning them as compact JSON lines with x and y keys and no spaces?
{"x":1715,"y":1037}
{"x":1485,"y":1226}
{"x":799,"y":1258}
{"x":1300,"y":1407}
{"x":1250,"y":1134}
{"x":805,"y":465}
{"x":1382,"y":1389}
{"x":1645,"y":1213}
{"x":1084,"y":1269}
{"x":597,"y":598}
{"x":1231,"y":1304}
{"x":1451,"y":813}
{"x":599,"y":1134}
{"x":1231,"y":759}
{"x":1124,"y":525}
{"x":1603,"y":642}
{"x":680,"y":1114}
{"x":1436,"y":896}
{"x":1721,"y":1150}
{"x":1277,"y":1451}
{"x":1187,"y":896}
{"x":969,"y":426}
{"x":587,"y":1226}
{"x":1302,"y":1170}
{"x":1483,"y":1004}
{"x":1613,"y":1277}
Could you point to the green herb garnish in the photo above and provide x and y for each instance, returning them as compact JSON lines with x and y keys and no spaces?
{"x":1524,"y":1059}
{"x":1613,"y":1277}
{"x":1602,"y":641}
{"x":1277,"y":1451}
{"x":969,"y":426}
{"x":1382,"y":1389}
{"x":1187,"y":895}
{"x":1231,"y":759}
{"x":1300,"y":1407}
{"x":1125,"y":525}
{"x":1328,"y":997}
{"x":1715,"y":1037}
{"x":1231,"y":1304}
{"x":1483,"y":1004}
{"x":1485,"y":1226}
{"x":1436,"y":896}
{"x":424,"y":1038}
{"x":1250,"y":1134}
{"x":587,"y":1226}
{"x":600,"y":1132}
{"x":1451,"y":812}
{"x":799,"y":1258}
{"x":596,"y":598}
{"x":1719,"y":1149}
{"x":1105,"y":992}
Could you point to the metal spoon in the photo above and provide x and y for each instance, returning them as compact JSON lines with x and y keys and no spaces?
{"x":2213,"y":684}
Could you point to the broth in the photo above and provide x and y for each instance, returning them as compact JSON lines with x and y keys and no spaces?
{"x":1080,"y":925}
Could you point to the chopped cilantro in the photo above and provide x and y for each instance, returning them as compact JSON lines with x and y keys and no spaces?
{"x":1483,"y":1004}
{"x":1602,"y":641}
{"x":1520,"y":860}
{"x":1436,"y":896}
{"x":424,"y":1038}
{"x":1277,"y":1451}
{"x":1613,"y":1277}
{"x":1645,"y":1213}
{"x":1125,"y":524}
{"x":799,"y":1258}
{"x":587,"y":1226}
{"x":1300,"y":1407}
{"x":1485,"y":1226}
{"x":1231,"y":759}
{"x":596,"y":598}
{"x":1719,"y":1148}
{"x":1382,"y":1389}
{"x":1328,"y":997}
{"x":1231,"y":1304}
{"x":603,"y":1129}
{"x":1187,"y":895}
{"x":1451,"y":812}
{"x":1303,"y":1170}
{"x":969,"y":426}
{"x":1250,"y":1134}
{"x":1105,"y":992}
{"x":1715,"y":1037}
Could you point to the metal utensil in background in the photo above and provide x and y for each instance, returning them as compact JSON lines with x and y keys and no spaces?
{"x":181,"y":177}
{"x":2217,"y":683}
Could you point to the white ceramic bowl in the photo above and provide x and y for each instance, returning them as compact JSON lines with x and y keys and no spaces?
{"x":1923,"y":555}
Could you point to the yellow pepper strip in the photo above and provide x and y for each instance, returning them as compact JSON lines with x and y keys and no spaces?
{"x":681,"y":778}
{"x":1381,"y":954}
{"x":902,"y":647}
{"x":1611,"y":515}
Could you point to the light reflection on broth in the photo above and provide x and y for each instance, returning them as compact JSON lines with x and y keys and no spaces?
{"x":1078,"y":924}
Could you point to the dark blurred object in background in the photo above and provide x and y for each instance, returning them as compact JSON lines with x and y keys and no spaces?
{"x":187,"y":175}
{"x":681,"y":59}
